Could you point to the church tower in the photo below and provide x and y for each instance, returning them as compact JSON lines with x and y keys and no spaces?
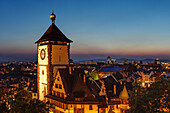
{"x":53,"y":50}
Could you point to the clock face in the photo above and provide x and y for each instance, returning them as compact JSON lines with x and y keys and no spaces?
{"x":42,"y":54}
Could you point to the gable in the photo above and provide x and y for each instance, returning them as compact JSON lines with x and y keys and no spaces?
{"x":58,"y":86}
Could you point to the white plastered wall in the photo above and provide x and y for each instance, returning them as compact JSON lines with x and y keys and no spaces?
{"x":45,"y":61}
{"x":42,"y":75}
{"x":42,"y":82}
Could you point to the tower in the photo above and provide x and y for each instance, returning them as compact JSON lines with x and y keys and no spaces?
{"x":53,"y":50}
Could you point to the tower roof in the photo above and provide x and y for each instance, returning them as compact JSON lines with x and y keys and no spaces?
{"x":124,"y":94}
{"x":53,"y":33}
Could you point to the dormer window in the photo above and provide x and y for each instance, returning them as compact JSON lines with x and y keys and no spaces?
{"x":79,"y":99}
{"x":62,"y":95}
{"x":58,"y":94}
{"x":42,"y":72}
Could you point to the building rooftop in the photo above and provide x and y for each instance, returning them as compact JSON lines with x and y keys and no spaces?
{"x":110,"y":68}
{"x":53,"y":34}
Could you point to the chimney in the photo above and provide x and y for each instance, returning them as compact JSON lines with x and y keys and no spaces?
{"x":121,"y":82}
{"x":153,"y":79}
{"x":69,"y":70}
{"x":84,"y":78}
{"x":114,"y":90}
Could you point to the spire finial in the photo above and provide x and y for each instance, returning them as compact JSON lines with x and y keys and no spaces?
{"x":52,"y":17}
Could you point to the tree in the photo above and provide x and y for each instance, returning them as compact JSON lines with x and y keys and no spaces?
{"x":3,"y":106}
{"x":150,"y":99}
{"x":20,"y":101}
{"x":137,"y":101}
{"x":37,"y":106}
{"x":158,"y":95}
{"x":93,"y":75}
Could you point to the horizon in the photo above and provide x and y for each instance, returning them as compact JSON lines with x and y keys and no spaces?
{"x":78,"y":57}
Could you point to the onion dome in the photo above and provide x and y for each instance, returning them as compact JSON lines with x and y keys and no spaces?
{"x":52,"y":17}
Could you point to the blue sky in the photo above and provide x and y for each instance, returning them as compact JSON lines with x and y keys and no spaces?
{"x":101,"y":27}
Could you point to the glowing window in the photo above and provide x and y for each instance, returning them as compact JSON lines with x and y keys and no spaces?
{"x":62,"y":95}
{"x":42,"y":72}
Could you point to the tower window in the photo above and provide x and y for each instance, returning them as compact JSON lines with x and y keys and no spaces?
{"x":59,"y":58}
{"x":90,"y":107}
{"x":58,"y":78}
{"x":42,"y":72}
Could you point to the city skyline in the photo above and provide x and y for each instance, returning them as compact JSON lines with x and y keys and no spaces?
{"x":116,"y":28}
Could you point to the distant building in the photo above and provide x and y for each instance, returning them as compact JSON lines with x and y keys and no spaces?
{"x":126,"y":61}
{"x":157,"y":61}
{"x":108,"y":70}
{"x":140,"y":62}
{"x":110,"y":61}
{"x":91,"y":62}
{"x":101,"y":63}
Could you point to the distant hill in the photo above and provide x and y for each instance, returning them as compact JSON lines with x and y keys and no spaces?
{"x":18,"y":58}
{"x":147,"y":60}
{"x":76,"y":58}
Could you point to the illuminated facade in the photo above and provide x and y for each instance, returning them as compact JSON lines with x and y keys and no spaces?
{"x":53,"y":53}
{"x":67,"y":87}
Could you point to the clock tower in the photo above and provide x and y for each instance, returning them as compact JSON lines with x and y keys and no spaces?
{"x":53,"y":50}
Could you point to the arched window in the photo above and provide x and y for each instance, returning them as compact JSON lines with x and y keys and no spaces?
{"x":90,"y":107}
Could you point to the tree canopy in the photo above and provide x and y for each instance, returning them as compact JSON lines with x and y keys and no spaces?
{"x":20,"y":101}
{"x":151,"y":99}
{"x":93,"y":75}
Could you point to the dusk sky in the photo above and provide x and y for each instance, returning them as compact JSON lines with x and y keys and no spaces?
{"x":97,"y":27}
